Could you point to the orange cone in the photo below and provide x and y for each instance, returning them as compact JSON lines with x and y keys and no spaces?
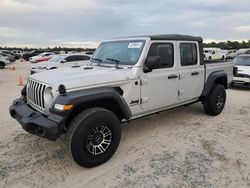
{"x":20,"y":81}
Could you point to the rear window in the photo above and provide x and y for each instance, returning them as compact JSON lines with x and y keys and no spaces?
{"x":188,"y":53}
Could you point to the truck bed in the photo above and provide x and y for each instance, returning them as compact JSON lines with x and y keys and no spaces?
{"x":213,"y":66}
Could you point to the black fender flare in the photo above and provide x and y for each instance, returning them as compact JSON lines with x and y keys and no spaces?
{"x":211,"y":81}
{"x":90,"y":95}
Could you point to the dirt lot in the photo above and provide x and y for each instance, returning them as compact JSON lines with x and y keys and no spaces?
{"x":182,"y":147}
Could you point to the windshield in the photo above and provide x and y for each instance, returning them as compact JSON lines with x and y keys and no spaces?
{"x":208,"y":51}
{"x":124,"y":52}
{"x":242,"y":60}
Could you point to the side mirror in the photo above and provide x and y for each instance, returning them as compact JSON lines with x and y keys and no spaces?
{"x":152,"y":62}
{"x":63,"y":61}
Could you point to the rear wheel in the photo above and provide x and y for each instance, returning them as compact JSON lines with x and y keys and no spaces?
{"x":2,"y":65}
{"x":214,"y":103}
{"x":94,"y":136}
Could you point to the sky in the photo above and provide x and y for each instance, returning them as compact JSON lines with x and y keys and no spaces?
{"x":85,"y":23}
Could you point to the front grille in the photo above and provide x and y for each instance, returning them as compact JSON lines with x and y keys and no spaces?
{"x":242,"y":75}
{"x":35,"y":93}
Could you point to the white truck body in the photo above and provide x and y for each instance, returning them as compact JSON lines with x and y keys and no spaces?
{"x":126,"y":79}
{"x":215,"y":54}
{"x":151,"y":100}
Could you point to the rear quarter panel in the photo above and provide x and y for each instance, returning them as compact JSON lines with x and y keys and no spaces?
{"x":226,"y":66}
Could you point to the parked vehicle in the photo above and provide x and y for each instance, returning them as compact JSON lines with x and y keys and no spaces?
{"x":231,"y":54}
{"x":242,"y":73}
{"x":129,"y":78}
{"x":61,"y":61}
{"x":28,"y":55}
{"x":3,"y":62}
{"x":41,"y":57}
{"x":242,"y":51}
{"x":11,"y":56}
{"x":17,"y":53}
{"x":215,"y":54}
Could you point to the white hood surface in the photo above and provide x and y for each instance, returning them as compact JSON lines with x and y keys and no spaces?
{"x":243,"y":69}
{"x":80,"y":76}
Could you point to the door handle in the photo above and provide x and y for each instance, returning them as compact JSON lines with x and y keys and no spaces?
{"x":172,"y":76}
{"x":195,"y":73}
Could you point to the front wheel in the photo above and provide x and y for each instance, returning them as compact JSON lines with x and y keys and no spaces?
{"x":214,"y":103}
{"x":94,"y":136}
{"x":2,"y":65}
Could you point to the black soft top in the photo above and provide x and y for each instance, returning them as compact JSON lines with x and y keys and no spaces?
{"x":176,"y":37}
{"x":173,"y":37}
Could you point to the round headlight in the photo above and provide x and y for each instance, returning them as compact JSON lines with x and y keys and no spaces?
{"x":48,"y":96}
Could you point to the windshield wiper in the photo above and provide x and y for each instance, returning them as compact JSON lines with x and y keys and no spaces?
{"x":114,"y":60}
{"x":98,"y":60}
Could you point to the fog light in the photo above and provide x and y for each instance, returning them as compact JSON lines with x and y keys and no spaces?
{"x":63,"y":107}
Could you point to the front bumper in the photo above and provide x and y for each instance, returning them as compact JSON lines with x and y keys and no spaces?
{"x":241,"y":81}
{"x":36,"y":123}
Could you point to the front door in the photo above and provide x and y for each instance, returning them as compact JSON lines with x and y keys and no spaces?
{"x":159,"y":88}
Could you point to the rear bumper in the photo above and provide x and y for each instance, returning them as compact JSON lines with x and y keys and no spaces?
{"x":36,"y":123}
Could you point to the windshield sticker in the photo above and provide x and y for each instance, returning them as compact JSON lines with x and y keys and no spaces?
{"x":135,"y":45}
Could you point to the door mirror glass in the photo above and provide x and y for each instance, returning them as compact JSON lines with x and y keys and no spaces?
{"x":152,"y":62}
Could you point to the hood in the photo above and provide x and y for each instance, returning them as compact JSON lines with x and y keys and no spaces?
{"x":43,"y":64}
{"x":83,"y":76}
{"x":243,"y":69}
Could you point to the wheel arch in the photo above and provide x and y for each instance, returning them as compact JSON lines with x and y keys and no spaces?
{"x":108,"y":98}
{"x":218,"y":77}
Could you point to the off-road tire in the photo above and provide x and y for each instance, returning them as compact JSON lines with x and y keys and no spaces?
{"x":79,"y":132}
{"x":214,"y":103}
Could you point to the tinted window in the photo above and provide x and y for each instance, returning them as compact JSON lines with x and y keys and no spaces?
{"x":71,"y":58}
{"x":188,"y":54}
{"x":82,"y":57}
{"x":166,"y":53}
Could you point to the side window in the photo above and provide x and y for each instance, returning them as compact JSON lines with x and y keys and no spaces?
{"x":165,"y":51}
{"x":83,"y":57}
{"x":188,"y":54}
{"x":71,"y":58}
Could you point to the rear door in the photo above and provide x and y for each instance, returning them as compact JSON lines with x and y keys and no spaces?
{"x":191,"y":72}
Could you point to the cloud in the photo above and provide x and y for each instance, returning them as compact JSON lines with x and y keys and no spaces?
{"x":47,"y":23}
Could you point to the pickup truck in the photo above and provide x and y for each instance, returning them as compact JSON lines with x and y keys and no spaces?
{"x":215,"y":54}
{"x":242,"y":71}
{"x":127,"y":78}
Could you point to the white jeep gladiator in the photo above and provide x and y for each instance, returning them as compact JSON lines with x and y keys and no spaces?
{"x":127,"y":78}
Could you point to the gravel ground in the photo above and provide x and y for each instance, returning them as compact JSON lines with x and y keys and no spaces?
{"x":182,"y":147}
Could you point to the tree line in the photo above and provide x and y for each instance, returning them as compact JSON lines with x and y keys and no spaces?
{"x":229,"y":45}
{"x":223,"y":45}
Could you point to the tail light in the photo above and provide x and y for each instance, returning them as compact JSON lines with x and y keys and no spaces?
{"x":235,"y":71}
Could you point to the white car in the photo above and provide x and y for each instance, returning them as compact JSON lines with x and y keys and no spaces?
{"x":41,"y":57}
{"x":242,"y":74}
{"x":60,"y":61}
{"x":215,"y":54}
{"x":3,"y":62}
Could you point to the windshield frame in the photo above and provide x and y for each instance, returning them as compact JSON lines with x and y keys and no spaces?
{"x":106,"y":62}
